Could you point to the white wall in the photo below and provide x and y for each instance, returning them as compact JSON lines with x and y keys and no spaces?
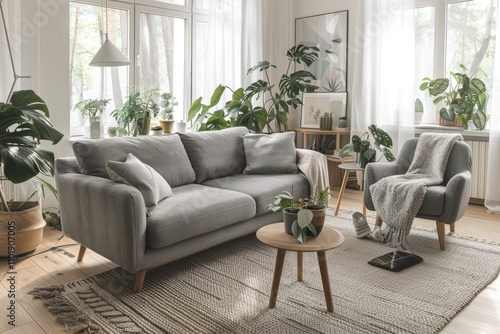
{"x":304,"y":8}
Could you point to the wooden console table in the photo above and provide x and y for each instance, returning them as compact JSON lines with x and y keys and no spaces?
{"x":334,"y":161}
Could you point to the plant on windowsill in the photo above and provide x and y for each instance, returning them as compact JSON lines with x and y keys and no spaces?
{"x":465,"y":99}
{"x":92,"y":109}
{"x":365,"y":149}
{"x":166,"y":114}
{"x":305,"y":217}
{"x":134,"y":117}
{"x":24,"y":123}
{"x":276,"y":99}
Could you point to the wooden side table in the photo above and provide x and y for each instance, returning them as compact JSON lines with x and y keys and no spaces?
{"x":349,"y":168}
{"x":274,"y":235}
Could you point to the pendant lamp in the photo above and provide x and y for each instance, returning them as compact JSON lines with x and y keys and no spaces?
{"x":108,"y":54}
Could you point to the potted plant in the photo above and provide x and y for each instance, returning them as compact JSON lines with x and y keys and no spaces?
{"x":464,"y":97}
{"x":156,"y":130}
{"x":134,"y":117}
{"x":419,"y":111}
{"x":305,"y":217}
{"x":93,"y":109}
{"x":276,"y":98}
{"x":24,"y":123}
{"x":365,"y":149}
{"x":166,"y":113}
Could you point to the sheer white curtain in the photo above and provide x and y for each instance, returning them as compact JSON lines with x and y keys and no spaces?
{"x":234,"y":43}
{"x":492,"y":196}
{"x":383,"y":78}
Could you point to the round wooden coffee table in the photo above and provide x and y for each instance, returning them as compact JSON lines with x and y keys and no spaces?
{"x":274,"y":235}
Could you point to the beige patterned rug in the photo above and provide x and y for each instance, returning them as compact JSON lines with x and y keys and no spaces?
{"x":226,"y":290}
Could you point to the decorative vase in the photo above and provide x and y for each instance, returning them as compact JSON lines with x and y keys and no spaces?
{"x":326,"y":121}
{"x":342,"y":122}
{"x":168,"y":126}
{"x":22,"y":230}
{"x":93,"y":128}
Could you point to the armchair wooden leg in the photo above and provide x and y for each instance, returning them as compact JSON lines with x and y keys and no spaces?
{"x":139,"y":280}
{"x":81,"y":253}
{"x":452,"y":228}
{"x":440,"y":226}
{"x":378,"y":221}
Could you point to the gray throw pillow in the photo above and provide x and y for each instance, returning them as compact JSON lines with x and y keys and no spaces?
{"x":152,"y":185}
{"x":270,"y":153}
{"x":215,"y":154}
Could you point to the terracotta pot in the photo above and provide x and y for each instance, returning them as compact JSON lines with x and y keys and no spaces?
{"x":167,"y":126}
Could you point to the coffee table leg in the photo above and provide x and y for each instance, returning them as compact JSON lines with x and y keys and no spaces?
{"x":341,"y":192}
{"x":326,"y":280}
{"x":300,"y":266}
{"x":278,"y":268}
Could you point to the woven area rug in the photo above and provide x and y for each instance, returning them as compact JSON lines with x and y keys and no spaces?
{"x":226,"y":290}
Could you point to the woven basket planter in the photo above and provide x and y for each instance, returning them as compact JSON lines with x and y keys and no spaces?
{"x":457,"y":122}
{"x":27,"y":232}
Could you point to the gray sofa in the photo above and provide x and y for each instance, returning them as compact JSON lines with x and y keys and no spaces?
{"x":221,"y":183}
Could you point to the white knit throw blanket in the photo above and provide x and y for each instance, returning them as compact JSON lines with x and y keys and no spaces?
{"x":398,"y":198}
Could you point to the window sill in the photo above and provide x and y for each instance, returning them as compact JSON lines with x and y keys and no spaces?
{"x":467,"y":134}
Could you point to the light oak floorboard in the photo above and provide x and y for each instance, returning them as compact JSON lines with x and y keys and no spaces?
{"x":56,"y":266}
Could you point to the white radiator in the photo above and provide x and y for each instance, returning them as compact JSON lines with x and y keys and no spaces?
{"x":479,"y":167}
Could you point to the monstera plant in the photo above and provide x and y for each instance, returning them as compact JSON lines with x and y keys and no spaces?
{"x":261,"y":103}
{"x":24,"y":123}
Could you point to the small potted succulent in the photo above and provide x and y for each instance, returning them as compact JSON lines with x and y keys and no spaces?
{"x":365,"y":149}
{"x":92,"y":109}
{"x":305,"y":217}
{"x":156,"y":130}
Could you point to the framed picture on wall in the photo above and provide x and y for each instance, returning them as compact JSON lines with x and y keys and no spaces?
{"x":329,"y":33}
{"x":315,"y":105}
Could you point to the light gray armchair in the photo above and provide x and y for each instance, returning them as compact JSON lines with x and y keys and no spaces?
{"x":445,"y":203}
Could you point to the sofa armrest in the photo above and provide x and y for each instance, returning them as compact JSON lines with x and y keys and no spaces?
{"x":373,"y":173}
{"x":105,"y":216}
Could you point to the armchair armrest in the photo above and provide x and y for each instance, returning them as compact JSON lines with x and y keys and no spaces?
{"x":456,"y":197}
{"x":373,"y":173}
{"x":105,"y":216}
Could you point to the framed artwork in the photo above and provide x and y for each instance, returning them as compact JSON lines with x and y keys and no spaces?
{"x":315,"y":105}
{"x":329,"y":33}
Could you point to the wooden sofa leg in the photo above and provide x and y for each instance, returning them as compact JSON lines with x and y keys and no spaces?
{"x":81,"y":253}
{"x":378,"y":221}
{"x":139,"y":280}
{"x":452,"y":228}
{"x":440,"y":226}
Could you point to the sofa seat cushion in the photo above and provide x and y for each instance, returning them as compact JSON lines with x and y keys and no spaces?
{"x":433,"y":201}
{"x":263,"y":188}
{"x":165,"y":154}
{"x":193,"y":210}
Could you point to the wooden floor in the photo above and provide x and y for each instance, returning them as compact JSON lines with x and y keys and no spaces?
{"x":59,"y":266}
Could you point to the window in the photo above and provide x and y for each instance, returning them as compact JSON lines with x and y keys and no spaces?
{"x":161,"y":57}
{"x":450,"y":33}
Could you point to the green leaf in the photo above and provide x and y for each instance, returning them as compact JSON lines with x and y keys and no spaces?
{"x":480,"y":119}
{"x":369,"y":154}
{"x":303,"y":54}
{"x":388,"y":154}
{"x":216,"y":96}
{"x":194,"y":109}
{"x":423,"y":86}
{"x":346,"y":150}
{"x":261,"y":66}
{"x":304,"y":217}
{"x":298,"y":232}
{"x":477,"y":86}
{"x":312,"y":228}
{"x":438,"y":86}
{"x":438,"y":99}
{"x":447,"y":114}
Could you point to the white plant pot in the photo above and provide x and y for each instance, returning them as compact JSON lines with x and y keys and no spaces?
{"x":180,"y":126}
{"x":418,"y":117}
{"x":93,"y":128}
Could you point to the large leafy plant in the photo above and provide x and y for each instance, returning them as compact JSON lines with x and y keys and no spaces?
{"x":368,"y":142}
{"x":275,"y":100}
{"x":24,"y":123}
{"x":464,"y":97}
{"x":134,"y":115}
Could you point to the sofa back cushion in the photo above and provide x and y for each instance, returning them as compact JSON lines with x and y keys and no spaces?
{"x":165,"y":154}
{"x":215,"y":154}
{"x":270,"y":153}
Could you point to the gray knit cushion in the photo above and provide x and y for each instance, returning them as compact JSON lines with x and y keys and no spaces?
{"x":270,"y":153}
{"x":215,"y":154}
{"x":165,"y":154}
{"x":152,"y":185}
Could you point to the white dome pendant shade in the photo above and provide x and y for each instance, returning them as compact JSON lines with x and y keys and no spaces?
{"x":109,"y":55}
